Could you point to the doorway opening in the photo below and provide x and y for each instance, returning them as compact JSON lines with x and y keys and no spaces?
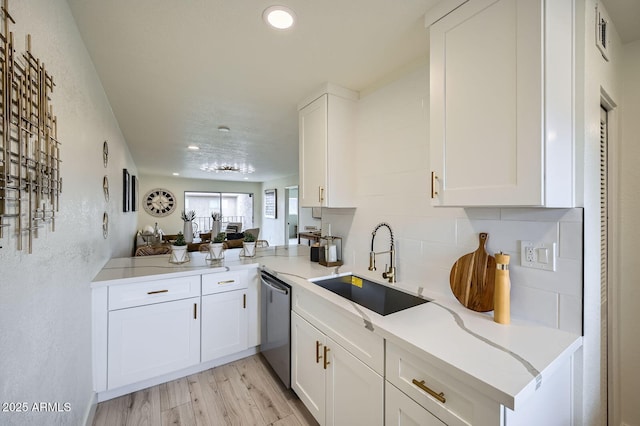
{"x":291,"y":215}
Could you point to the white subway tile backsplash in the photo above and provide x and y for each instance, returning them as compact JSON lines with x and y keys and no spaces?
{"x":440,"y":230}
{"x":570,"y":245}
{"x":567,"y":279}
{"x":482,"y":213}
{"x":534,"y":305}
{"x":571,"y":313}
{"x":506,"y":235}
{"x":533,"y":214}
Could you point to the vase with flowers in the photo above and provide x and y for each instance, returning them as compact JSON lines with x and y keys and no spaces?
{"x":216,"y":223}
{"x":187,"y":218}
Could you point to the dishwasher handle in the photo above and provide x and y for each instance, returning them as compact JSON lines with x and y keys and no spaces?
{"x":274,"y":285}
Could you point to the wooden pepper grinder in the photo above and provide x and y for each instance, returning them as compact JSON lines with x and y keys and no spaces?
{"x":502,"y":290}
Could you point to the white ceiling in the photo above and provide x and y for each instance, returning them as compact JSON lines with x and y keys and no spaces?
{"x":625,"y":15}
{"x":176,"y":70}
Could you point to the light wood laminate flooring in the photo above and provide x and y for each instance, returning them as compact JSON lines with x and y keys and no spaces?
{"x":244,"y":392}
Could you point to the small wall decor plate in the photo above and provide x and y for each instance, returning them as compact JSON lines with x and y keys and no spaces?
{"x":105,"y":225}
{"x":105,"y":188}
{"x":105,"y":153}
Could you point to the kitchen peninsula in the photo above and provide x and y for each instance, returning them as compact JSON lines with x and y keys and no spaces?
{"x":486,"y":373}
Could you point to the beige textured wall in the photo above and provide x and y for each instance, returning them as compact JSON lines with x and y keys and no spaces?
{"x":629,"y":289}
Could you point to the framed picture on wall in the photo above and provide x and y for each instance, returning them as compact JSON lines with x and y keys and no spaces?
{"x":134,"y":193}
{"x":126,"y":192}
{"x":270,"y":204}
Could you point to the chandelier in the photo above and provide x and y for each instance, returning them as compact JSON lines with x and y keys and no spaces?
{"x":228,"y":168}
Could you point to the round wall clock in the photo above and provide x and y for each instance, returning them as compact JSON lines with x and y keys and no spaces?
{"x":159,"y":202}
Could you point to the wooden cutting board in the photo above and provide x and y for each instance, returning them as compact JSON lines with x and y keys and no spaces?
{"x":472,"y":278}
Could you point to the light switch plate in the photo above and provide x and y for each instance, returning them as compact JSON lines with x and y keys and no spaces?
{"x":538,"y":255}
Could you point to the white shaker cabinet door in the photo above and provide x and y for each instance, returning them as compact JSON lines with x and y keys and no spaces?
{"x":327,"y":149}
{"x":224,"y":324}
{"x":355,"y":393}
{"x":313,"y":121}
{"x":149,"y":341}
{"x":501,"y":112}
{"x":307,"y":366}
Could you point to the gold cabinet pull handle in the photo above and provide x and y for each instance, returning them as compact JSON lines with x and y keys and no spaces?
{"x":195,"y":311}
{"x":226,"y":282}
{"x":320,"y":194}
{"x":434,"y":178}
{"x":439,"y":396}
{"x":318,"y":356}
{"x":244,"y":301}
{"x":326,"y":358}
{"x":158,"y":291}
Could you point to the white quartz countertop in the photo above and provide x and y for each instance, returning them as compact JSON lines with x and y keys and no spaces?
{"x":507,"y":363}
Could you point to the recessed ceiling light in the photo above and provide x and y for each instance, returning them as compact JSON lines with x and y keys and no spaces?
{"x":279,"y":17}
{"x":223,"y":129}
{"x":193,"y":147}
{"x":176,"y":174}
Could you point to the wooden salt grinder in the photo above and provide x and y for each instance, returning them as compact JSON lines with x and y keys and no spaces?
{"x":502,"y":290}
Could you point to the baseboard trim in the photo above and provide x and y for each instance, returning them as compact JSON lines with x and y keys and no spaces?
{"x":124,"y":390}
{"x":91,"y":410}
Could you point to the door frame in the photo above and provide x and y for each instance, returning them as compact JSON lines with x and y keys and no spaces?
{"x":612,"y":344}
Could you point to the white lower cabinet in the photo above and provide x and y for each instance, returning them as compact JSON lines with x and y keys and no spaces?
{"x":225,"y":316}
{"x":152,"y":340}
{"x":156,"y":330}
{"x":335,"y":386}
{"x":224,"y":324}
{"x":400,"y":410}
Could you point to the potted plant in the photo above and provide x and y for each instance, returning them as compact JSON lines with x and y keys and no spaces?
{"x":216,"y":247}
{"x":249,"y":244}
{"x":187,"y":218}
{"x":179,"y":250}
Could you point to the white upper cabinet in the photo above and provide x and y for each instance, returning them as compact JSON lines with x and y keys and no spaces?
{"x":326,"y":126}
{"x":501,"y":118}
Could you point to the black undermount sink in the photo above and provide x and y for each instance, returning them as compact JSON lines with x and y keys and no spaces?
{"x":377,"y":297}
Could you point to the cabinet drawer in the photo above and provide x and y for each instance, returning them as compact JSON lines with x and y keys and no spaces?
{"x":400,"y":410}
{"x":461,"y":406}
{"x":224,"y":281}
{"x":365,"y":345}
{"x":156,"y":291}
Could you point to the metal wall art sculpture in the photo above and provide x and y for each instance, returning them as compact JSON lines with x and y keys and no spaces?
{"x":30,"y":181}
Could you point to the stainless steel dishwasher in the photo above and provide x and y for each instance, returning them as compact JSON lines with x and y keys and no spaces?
{"x":276,"y":325}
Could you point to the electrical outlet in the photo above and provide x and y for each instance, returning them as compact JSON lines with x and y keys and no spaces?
{"x":538,"y":255}
{"x":530,"y":254}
